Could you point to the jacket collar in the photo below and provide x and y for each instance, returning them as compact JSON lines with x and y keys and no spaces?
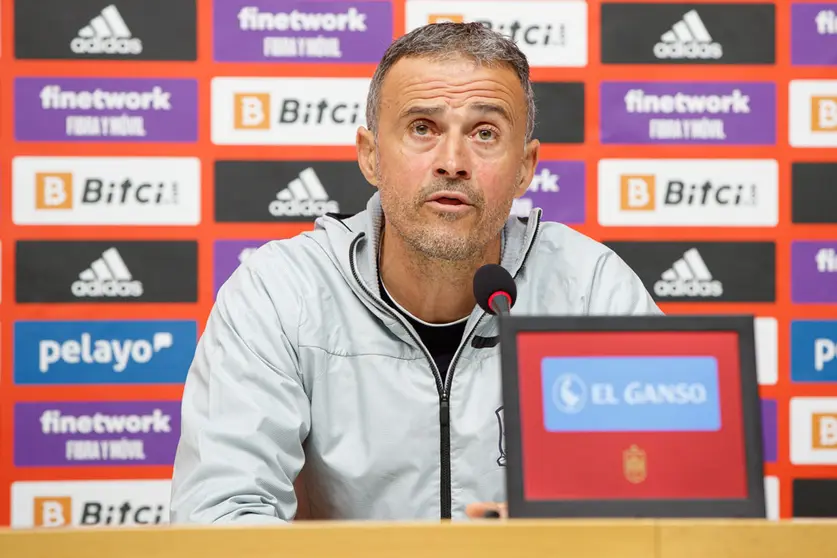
{"x":355,"y":241}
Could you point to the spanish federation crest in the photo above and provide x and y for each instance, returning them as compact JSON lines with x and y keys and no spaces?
{"x":501,"y":460}
{"x":634,"y":464}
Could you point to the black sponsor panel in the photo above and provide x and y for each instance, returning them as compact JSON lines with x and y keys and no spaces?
{"x":703,"y":271}
{"x":814,"y":498}
{"x":814,"y":193}
{"x":559,"y":114}
{"x":287,"y":191}
{"x":123,"y":271}
{"x":106,"y":29}
{"x":675,"y":33}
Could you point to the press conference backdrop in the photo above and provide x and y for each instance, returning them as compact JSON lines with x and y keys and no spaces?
{"x":148,"y":146}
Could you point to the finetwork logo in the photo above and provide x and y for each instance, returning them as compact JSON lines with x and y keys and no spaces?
{"x":107,"y":276}
{"x":638,"y":101}
{"x":250,"y":18}
{"x":688,"y":38}
{"x":106,"y":33}
{"x":115,"y":109}
{"x":814,"y":271}
{"x":96,"y":433}
{"x":814,"y":34}
{"x":288,"y":111}
{"x":228,"y":255}
{"x":110,"y":503}
{"x":688,"y":276}
{"x":826,"y":21}
{"x":327,"y":31}
{"x":635,"y":394}
{"x":304,"y":196}
{"x":544,"y":182}
{"x":826,"y":259}
{"x":707,"y":113}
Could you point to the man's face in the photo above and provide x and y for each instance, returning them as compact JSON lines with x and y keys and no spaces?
{"x":450,"y":156}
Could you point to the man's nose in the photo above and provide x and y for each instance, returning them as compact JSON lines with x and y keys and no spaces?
{"x":453,"y":160}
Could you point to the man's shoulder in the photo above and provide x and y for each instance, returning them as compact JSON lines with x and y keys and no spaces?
{"x":290,"y":263}
{"x":565,"y":248}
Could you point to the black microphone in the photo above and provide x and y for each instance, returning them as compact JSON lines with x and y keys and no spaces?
{"x":494,"y":289}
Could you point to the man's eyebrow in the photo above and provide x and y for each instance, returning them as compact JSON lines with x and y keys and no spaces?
{"x":418,"y":110}
{"x":432,"y":110}
{"x":491,"y":107}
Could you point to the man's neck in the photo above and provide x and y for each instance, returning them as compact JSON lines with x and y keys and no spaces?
{"x":434,"y":291}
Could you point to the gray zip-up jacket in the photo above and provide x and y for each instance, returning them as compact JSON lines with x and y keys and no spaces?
{"x":302,"y":363}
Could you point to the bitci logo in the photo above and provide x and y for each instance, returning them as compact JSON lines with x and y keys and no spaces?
{"x":813,"y":430}
{"x":813,"y":113}
{"x":99,"y":504}
{"x":688,"y":192}
{"x":549,"y":33}
{"x":252,"y":111}
{"x":287,"y":111}
{"x":106,"y":190}
{"x":53,"y":190}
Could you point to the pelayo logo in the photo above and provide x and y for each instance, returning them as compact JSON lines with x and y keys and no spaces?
{"x":103,"y":352}
{"x":639,"y":394}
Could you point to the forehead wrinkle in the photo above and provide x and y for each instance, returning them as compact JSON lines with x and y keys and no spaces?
{"x":437,"y":94}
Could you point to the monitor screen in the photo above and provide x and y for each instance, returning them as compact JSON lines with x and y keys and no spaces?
{"x":631,"y":415}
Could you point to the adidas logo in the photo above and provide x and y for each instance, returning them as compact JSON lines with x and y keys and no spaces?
{"x":108,"y":276}
{"x":688,"y":38}
{"x":107,"y":33}
{"x":304,"y":197}
{"x":688,"y":276}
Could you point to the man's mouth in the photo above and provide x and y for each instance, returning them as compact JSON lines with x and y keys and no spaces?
{"x":449,"y":198}
{"x":448,"y":201}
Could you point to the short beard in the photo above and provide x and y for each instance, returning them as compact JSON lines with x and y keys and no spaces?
{"x":434,"y":241}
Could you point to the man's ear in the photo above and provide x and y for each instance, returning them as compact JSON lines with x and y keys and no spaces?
{"x":367,"y":157}
{"x":531,"y":156}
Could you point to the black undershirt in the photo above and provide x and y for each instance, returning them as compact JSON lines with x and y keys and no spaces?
{"x":442,"y":342}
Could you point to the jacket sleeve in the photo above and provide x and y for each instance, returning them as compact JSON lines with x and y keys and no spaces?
{"x":245,"y":414}
{"x":617,"y":290}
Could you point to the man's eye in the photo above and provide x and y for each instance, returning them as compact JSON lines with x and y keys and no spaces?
{"x":421,"y":129}
{"x":486,"y":134}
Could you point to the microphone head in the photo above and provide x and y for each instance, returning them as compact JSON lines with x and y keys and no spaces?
{"x":491,"y":279}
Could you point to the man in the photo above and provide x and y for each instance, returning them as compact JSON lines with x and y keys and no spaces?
{"x":357,"y":349}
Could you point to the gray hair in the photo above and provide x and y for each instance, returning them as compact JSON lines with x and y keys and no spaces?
{"x":440,"y":41}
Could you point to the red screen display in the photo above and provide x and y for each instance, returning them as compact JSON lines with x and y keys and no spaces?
{"x":631,"y":465}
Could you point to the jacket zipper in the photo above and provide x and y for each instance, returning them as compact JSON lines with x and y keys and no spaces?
{"x":442,"y":387}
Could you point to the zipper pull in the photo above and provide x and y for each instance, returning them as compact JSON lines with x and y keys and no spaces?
{"x":444,"y":416}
